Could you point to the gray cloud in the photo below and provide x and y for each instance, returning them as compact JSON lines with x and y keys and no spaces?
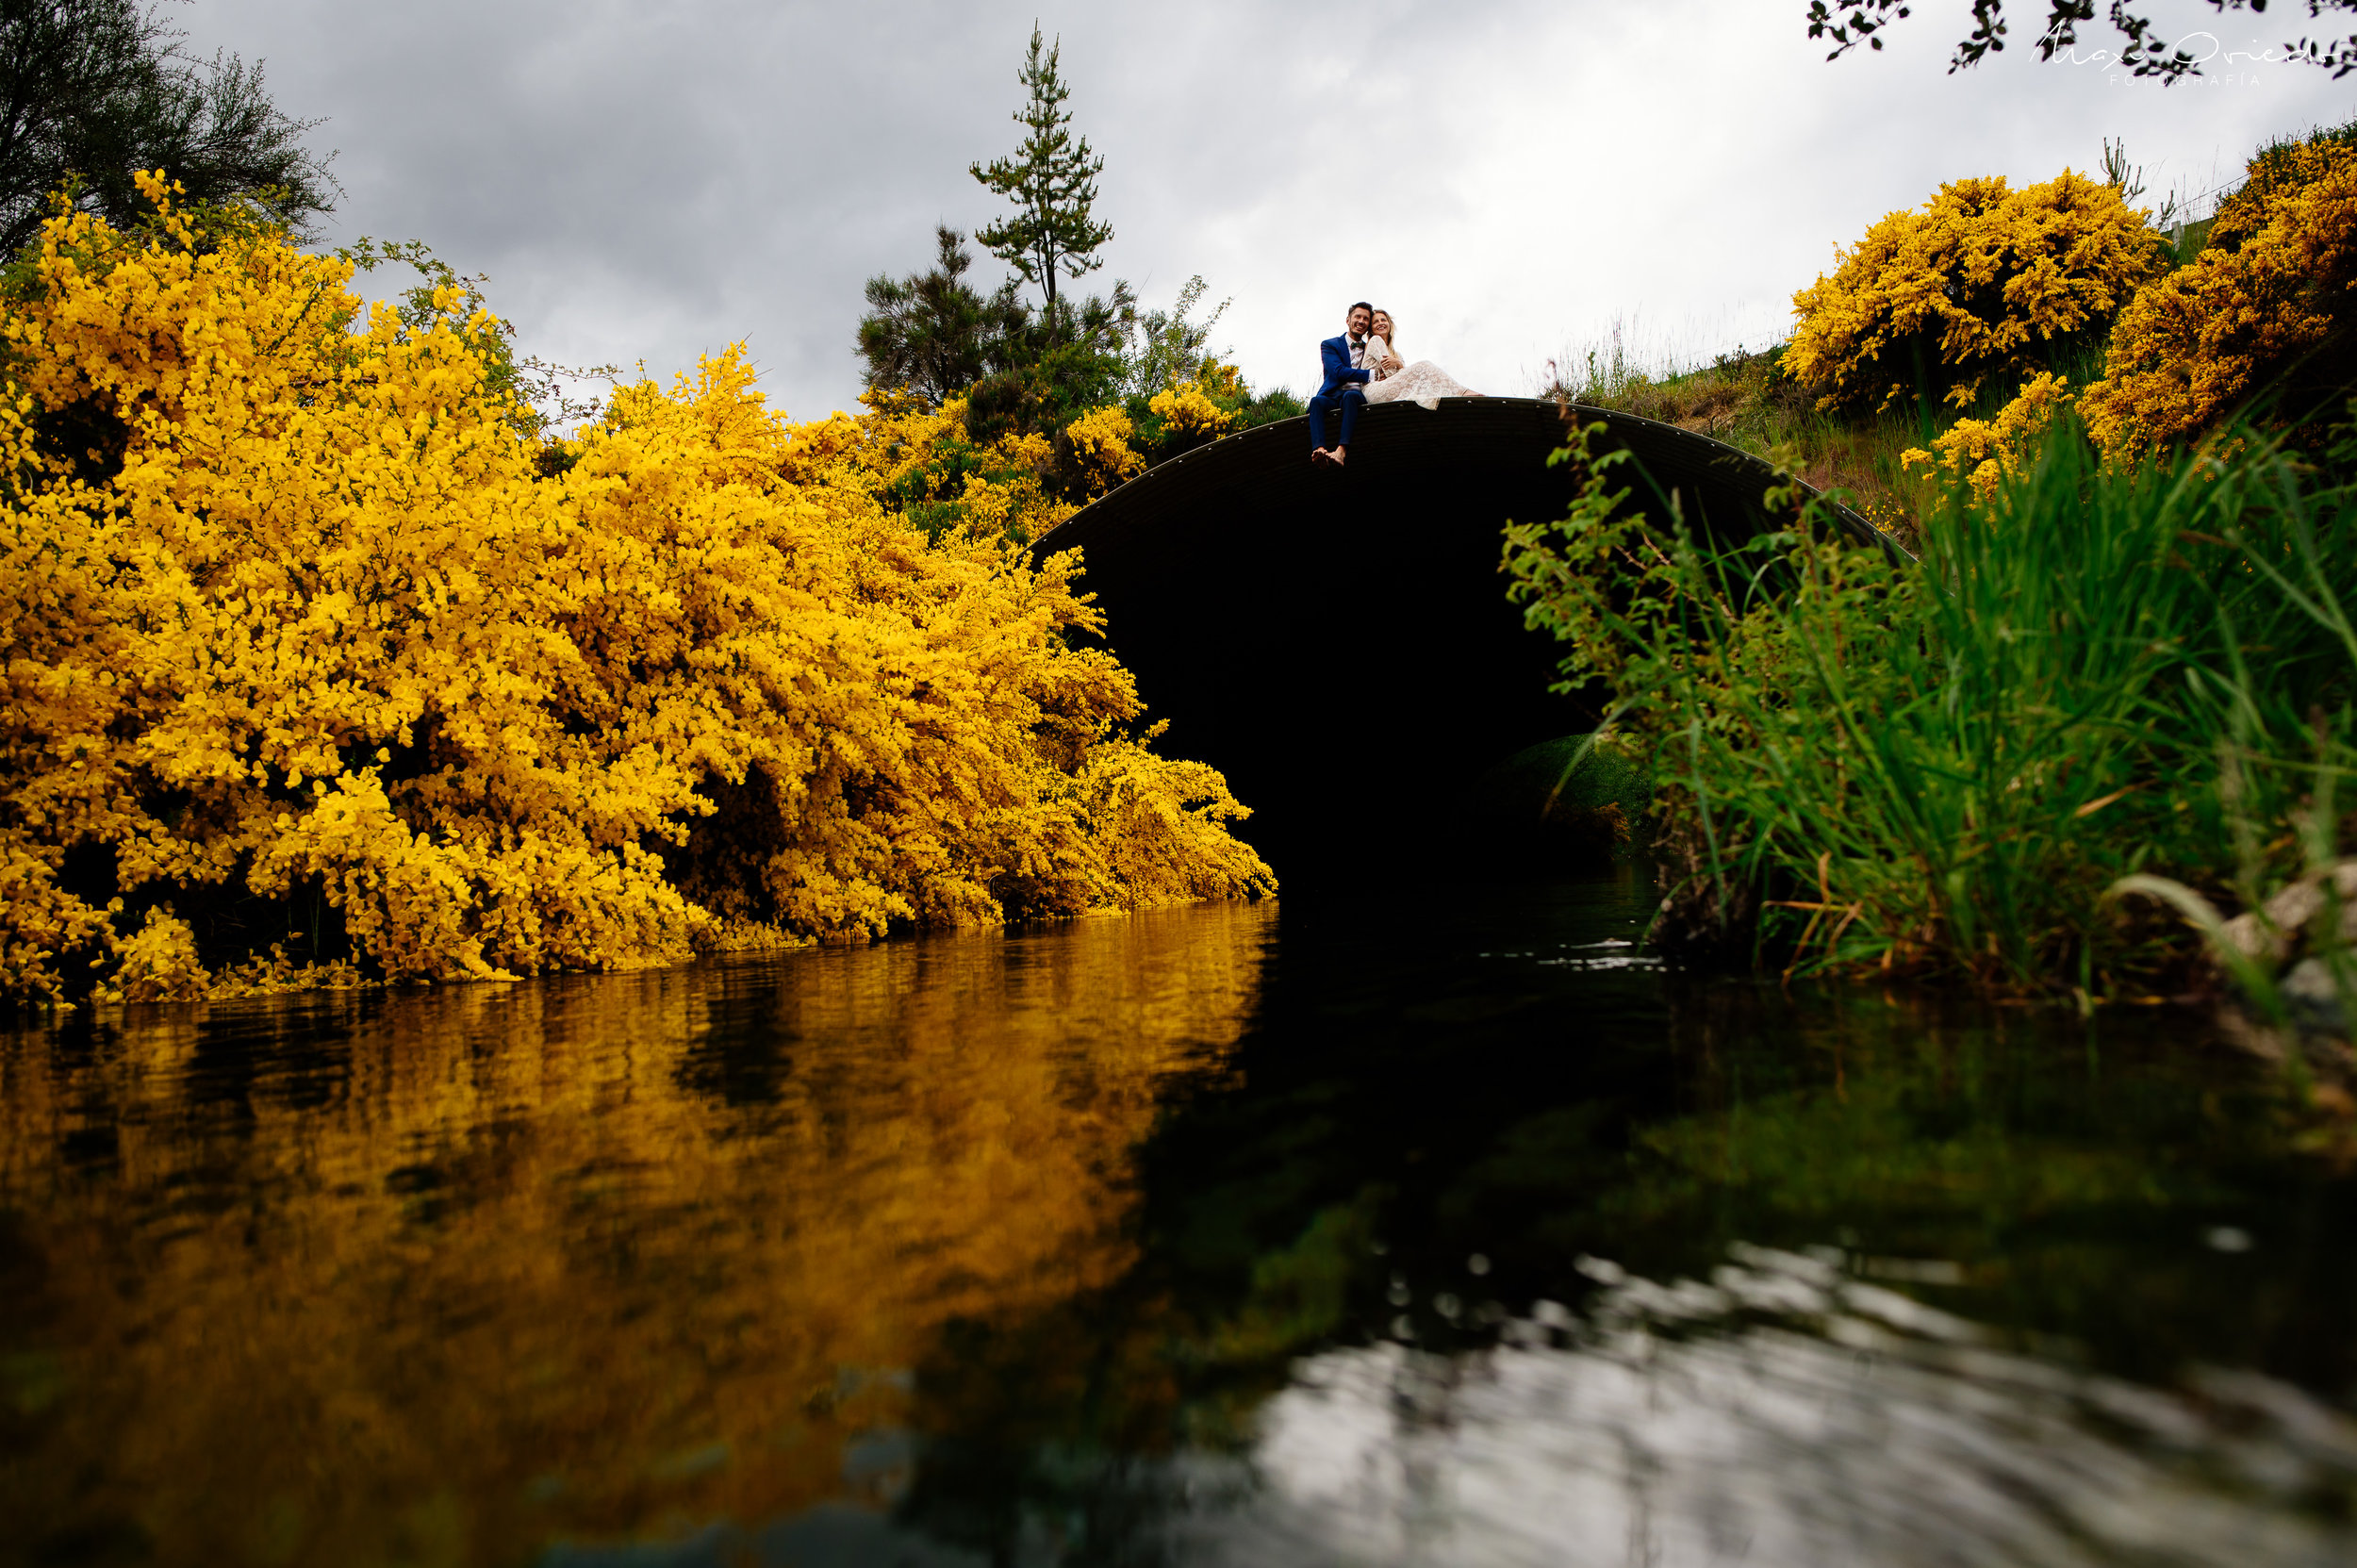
{"x":652,"y":181}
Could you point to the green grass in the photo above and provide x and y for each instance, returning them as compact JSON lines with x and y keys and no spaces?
{"x":1745,"y":400}
{"x":1947,"y":769}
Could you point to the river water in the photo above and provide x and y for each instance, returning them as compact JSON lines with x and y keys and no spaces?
{"x":1384,"y":1231}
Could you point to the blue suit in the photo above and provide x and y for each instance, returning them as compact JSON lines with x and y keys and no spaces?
{"x":1340,"y":394}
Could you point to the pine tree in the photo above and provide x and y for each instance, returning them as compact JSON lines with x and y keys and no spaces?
{"x":934,"y":333}
{"x":1052,"y":182}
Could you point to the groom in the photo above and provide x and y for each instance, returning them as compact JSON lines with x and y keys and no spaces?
{"x":1346,"y":373}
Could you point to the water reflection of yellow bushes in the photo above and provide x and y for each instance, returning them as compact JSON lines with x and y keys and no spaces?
{"x":574,"y":1257}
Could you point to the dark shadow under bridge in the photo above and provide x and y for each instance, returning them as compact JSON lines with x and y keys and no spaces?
{"x":1339,"y":642}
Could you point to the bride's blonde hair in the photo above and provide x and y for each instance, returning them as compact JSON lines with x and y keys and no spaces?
{"x":1391,"y":337}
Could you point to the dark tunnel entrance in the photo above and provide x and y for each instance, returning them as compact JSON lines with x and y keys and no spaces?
{"x":1339,"y":643}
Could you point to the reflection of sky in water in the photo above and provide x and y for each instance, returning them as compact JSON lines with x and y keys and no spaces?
{"x":1606,"y":955}
{"x":1786,"y":1413}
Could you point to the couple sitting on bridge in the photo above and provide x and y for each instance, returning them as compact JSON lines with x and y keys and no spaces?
{"x":1361,"y":368}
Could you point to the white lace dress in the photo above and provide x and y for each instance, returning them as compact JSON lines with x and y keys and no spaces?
{"x":1423,"y":383}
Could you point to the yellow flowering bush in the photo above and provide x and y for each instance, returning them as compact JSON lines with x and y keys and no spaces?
{"x":2277,"y":284}
{"x":1188,"y":414}
{"x":1984,"y":283}
{"x":1101,"y":449}
{"x":2275,"y":171}
{"x":1984,"y":452}
{"x":1222,"y":383}
{"x":296,"y":637}
{"x":158,"y":963}
{"x":922,"y":463}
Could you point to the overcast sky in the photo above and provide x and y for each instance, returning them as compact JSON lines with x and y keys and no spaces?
{"x":648,"y":180}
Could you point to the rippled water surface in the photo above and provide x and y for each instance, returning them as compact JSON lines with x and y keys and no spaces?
{"x":1342,"y":1232}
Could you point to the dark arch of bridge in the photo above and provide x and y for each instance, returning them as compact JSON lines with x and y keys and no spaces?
{"x":1339,"y":642}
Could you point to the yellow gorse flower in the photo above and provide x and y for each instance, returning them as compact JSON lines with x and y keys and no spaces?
{"x":2277,"y":279}
{"x":1218,"y":380}
{"x":919,"y":461}
{"x":1981,"y":280}
{"x":2275,"y":282}
{"x":1187,"y":412}
{"x":1101,"y":446}
{"x":1986,"y":451}
{"x":1101,"y":449}
{"x":289,"y":615}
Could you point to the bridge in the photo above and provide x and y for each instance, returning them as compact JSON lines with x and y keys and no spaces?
{"x":1339,"y":642}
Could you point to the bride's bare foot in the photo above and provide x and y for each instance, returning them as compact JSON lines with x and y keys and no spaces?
{"x":1339,"y":452}
{"x":1320,"y":457}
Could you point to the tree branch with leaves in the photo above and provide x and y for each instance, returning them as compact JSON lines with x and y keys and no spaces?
{"x":2142,"y":50}
{"x":93,"y":93}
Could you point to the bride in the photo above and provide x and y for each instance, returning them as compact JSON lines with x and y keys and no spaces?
{"x":1423,"y":383}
